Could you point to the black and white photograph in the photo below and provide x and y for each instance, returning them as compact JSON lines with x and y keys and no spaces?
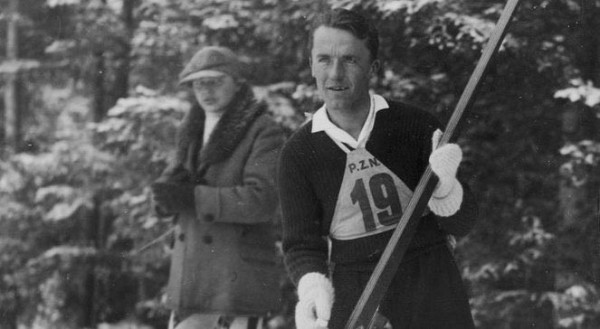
{"x":299,"y":164}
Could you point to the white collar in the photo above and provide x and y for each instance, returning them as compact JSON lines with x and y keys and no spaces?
{"x":321,"y":122}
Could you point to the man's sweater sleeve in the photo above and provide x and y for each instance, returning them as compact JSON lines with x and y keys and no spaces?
{"x":304,"y":247}
{"x":460,"y":223}
{"x":464,"y":219}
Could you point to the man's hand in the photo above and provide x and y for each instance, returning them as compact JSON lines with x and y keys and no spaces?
{"x":315,"y":299}
{"x":173,"y":197}
{"x":444,"y":161}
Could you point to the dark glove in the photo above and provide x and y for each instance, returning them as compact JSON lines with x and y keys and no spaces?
{"x":175,"y":174}
{"x":173,"y":197}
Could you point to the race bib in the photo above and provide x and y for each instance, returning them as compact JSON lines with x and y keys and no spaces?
{"x":371,"y":199}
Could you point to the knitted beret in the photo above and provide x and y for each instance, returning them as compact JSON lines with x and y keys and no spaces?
{"x":211,"y":60}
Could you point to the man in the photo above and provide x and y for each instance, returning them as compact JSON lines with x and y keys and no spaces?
{"x":224,"y":268}
{"x":348,"y":174}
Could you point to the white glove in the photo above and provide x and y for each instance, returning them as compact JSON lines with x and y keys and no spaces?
{"x":448,"y":194}
{"x":315,"y":299}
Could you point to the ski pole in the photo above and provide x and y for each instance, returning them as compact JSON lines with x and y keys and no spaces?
{"x":363,"y":314}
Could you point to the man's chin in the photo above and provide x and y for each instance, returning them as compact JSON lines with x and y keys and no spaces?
{"x":337,"y":104}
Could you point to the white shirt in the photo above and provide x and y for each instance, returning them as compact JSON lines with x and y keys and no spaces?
{"x":210,"y":122}
{"x":321,"y":122}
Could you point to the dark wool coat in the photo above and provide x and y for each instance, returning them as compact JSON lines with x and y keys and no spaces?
{"x":224,"y":259}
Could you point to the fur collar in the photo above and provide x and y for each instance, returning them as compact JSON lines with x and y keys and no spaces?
{"x":232,"y":127}
{"x":228,"y":133}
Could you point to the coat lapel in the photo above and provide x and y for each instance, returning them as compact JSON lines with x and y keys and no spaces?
{"x":228,"y":133}
{"x":231,"y":129}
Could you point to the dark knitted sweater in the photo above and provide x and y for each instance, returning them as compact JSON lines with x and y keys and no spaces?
{"x":311,"y":169}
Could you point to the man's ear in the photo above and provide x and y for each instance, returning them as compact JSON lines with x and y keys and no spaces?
{"x":238,"y":84}
{"x":312,"y":73}
{"x":375,"y":66}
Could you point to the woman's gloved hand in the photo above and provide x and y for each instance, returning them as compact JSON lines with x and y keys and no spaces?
{"x":173,"y":197}
{"x":315,"y":299}
{"x":448,"y":194}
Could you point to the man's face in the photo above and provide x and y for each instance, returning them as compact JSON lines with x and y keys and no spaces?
{"x":341,"y":65}
{"x":215,"y":93}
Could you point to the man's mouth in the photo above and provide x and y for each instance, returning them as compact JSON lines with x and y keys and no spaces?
{"x":337,"y":88}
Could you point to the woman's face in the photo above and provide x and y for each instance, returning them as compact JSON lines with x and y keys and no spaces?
{"x":215,"y":93}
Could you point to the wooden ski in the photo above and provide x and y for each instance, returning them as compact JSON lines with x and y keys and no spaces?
{"x":387,"y":266}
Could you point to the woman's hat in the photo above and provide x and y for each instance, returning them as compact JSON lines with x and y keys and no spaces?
{"x":211,"y":62}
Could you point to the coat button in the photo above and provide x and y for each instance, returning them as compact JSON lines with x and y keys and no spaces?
{"x":207,"y":239}
{"x":181,"y":237}
{"x":209,"y":217}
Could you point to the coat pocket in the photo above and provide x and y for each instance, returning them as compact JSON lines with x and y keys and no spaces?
{"x":257,"y":246}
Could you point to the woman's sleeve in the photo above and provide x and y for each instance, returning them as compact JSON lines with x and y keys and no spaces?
{"x":255,"y":200}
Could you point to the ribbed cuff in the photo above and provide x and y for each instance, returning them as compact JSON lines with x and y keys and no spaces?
{"x":310,"y":283}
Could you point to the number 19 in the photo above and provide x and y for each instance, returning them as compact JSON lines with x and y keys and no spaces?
{"x":385,"y":196}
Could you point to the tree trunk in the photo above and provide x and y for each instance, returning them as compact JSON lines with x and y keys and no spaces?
{"x":120,"y":87}
{"x":12,"y":114}
{"x":95,"y":236}
{"x":590,"y":41}
{"x":99,"y":90}
{"x":12,"y":120}
{"x":8,"y":321}
{"x":577,"y":234}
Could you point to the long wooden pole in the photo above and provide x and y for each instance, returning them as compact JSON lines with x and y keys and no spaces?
{"x":388,"y":264}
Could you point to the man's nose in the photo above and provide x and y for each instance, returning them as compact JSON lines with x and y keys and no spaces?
{"x":336,"y":70}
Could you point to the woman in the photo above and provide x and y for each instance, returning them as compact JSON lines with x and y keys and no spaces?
{"x":222,"y":186}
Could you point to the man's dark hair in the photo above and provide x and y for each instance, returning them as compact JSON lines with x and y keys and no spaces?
{"x":350,"y":21}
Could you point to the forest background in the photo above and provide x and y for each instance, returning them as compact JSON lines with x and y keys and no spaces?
{"x":90,"y":105}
